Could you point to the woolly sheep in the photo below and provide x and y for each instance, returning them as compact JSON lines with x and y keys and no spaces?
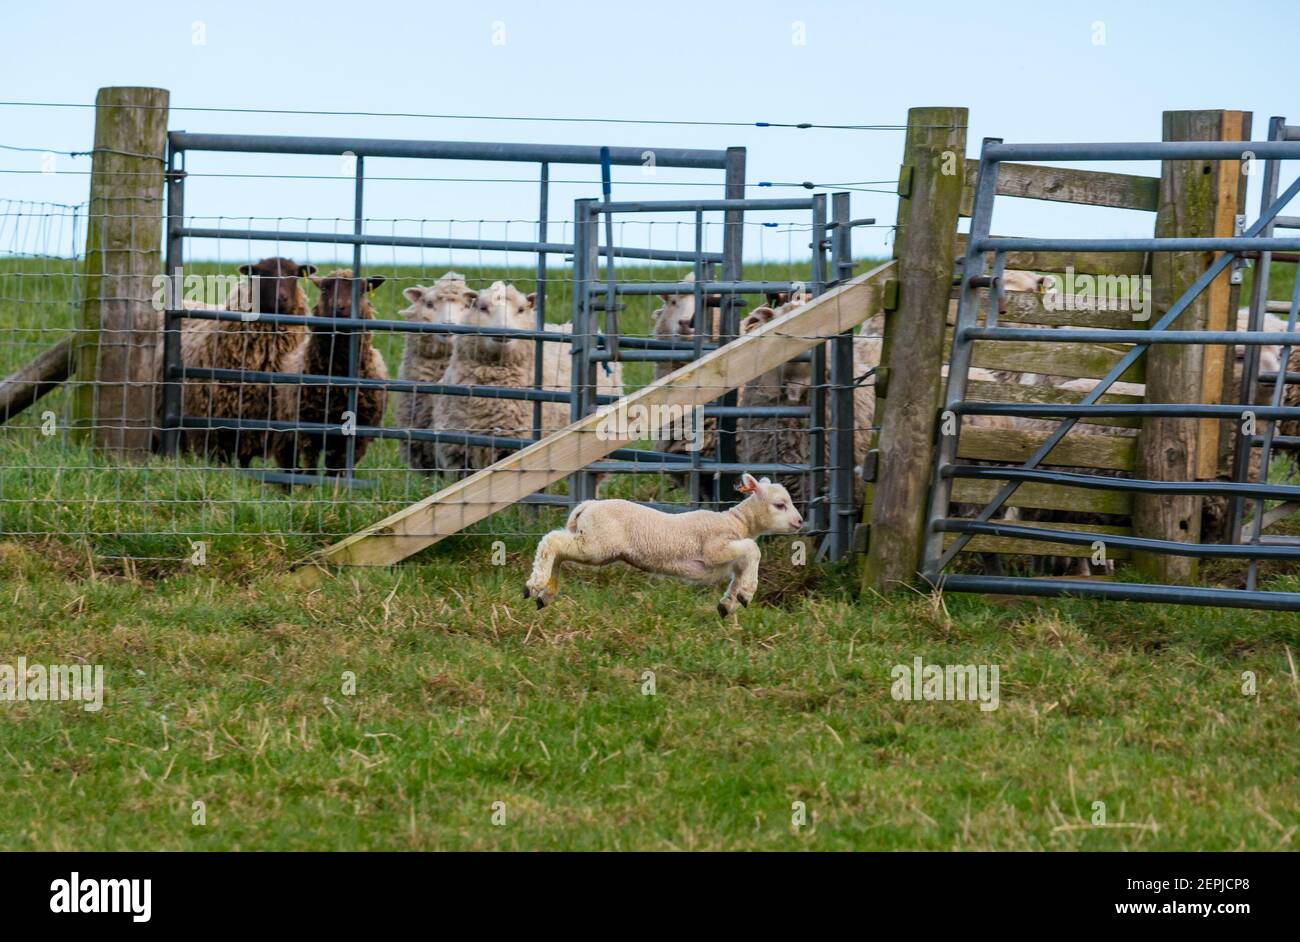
{"x":426,"y":357}
{"x":675,"y":320}
{"x":785,"y":439}
{"x":325,"y":354}
{"x":557,"y":373}
{"x":700,"y":546}
{"x":487,"y":360}
{"x":272,"y":286}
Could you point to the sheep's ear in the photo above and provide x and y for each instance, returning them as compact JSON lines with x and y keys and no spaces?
{"x":246,"y":269}
{"x":374,"y":281}
{"x":748,"y":484}
{"x":469,"y":296}
{"x":531,"y":298}
{"x":764,"y":482}
{"x":756,"y":319}
{"x":306,"y":271}
{"x":777,"y":298}
{"x":413,"y":294}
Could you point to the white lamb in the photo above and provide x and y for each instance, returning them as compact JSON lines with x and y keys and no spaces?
{"x":700,"y":546}
{"x":426,"y":357}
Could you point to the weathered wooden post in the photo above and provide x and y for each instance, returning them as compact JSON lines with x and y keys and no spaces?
{"x":1197,"y":198}
{"x":909,"y":384}
{"x":120,"y":330}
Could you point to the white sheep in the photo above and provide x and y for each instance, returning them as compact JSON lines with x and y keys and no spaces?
{"x":675,"y":320}
{"x":700,"y":546}
{"x":426,"y":357}
{"x":786,"y":439}
{"x":1013,"y":279}
{"x":557,"y":373}
{"x":494,"y":360}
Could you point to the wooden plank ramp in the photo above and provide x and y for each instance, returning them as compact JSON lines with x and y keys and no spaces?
{"x":529,"y":470}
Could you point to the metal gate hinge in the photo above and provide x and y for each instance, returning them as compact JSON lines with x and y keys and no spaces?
{"x":1239,"y":264}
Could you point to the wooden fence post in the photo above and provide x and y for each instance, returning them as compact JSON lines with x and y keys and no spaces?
{"x":119,"y":338}
{"x":930,"y":194}
{"x":1197,"y":198}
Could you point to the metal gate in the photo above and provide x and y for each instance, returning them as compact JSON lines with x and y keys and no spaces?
{"x":1246,"y":540}
{"x":829,"y":472}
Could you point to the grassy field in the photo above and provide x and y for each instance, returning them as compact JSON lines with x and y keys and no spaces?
{"x":226,"y":686}
{"x":229,"y":691}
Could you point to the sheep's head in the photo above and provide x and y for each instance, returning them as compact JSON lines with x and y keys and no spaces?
{"x":445,"y":302}
{"x":769,"y":506}
{"x":784,"y":301}
{"x":676,"y":319}
{"x":1013,"y":279}
{"x":274,"y":284}
{"x":790,"y":380}
{"x":336,"y":294}
{"x":501,"y":305}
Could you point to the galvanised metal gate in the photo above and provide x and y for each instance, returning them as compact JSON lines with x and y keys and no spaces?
{"x":830,"y":420}
{"x":179,"y":143}
{"x":1257,"y":240}
{"x":829,"y":415}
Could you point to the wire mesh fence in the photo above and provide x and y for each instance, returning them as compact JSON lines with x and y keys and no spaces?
{"x":290,"y":403}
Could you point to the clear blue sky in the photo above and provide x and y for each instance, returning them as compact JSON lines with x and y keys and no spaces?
{"x":1027,"y":70}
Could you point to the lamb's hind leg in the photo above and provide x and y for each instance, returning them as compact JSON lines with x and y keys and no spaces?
{"x":744,"y":577}
{"x":554,"y":548}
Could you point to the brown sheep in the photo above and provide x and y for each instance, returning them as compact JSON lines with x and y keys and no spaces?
{"x":272,"y":286}
{"x":326,"y":354}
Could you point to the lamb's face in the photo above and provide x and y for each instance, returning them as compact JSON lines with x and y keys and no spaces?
{"x":336,"y":294}
{"x":499,"y":306}
{"x":774,"y":509}
{"x":275,"y":284}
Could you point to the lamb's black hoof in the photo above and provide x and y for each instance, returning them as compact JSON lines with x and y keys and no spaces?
{"x":526,"y":592}
{"x":541,"y":603}
{"x":743,"y":600}
{"x":722,"y":610}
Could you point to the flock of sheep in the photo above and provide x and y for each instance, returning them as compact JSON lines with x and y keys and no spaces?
{"x":485,"y":358}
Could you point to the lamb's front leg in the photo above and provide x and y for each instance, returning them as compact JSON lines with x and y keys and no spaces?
{"x":553,"y":549}
{"x":744,"y":577}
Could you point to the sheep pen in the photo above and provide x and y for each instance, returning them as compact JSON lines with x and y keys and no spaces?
{"x":356,"y":448}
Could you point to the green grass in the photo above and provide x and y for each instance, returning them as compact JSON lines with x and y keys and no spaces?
{"x":227,"y":690}
{"x":224,"y":684}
